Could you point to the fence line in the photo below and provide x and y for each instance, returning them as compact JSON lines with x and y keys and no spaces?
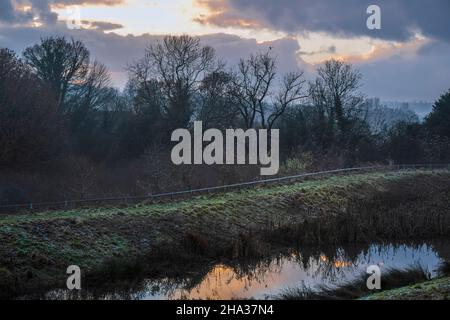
{"x":192,"y":192}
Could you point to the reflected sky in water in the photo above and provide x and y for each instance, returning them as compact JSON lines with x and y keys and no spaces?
{"x":292,"y":271}
{"x":268,"y":278}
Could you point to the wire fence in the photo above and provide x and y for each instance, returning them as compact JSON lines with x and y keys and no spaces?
{"x":38,"y":206}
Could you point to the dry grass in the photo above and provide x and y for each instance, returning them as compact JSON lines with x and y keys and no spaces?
{"x":391,"y":279}
{"x":36,"y":249}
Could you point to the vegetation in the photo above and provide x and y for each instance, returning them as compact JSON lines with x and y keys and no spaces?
{"x":437,"y":289}
{"x":37,"y":248}
{"x":67,"y":133}
{"x":392,"y":278}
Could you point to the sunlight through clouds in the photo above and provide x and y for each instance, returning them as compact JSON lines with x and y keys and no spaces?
{"x":162,"y":17}
{"x":302,"y":33}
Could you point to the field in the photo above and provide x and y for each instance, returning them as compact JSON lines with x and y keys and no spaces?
{"x":119,"y":243}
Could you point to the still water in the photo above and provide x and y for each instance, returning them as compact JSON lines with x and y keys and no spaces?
{"x":267,"y":279}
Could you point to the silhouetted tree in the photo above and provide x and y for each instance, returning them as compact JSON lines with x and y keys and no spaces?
{"x":119,"y":142}
{"x":30,"y":129}
{"x":438,"y":121}
{"x":252,"y":90}
{"x":177,"y":64}
{"x":338,"y":102}
{"x":216,"y":108}
{"x":145,"y":125}
{"x":381,"y":118}
{"x":60,"y":63}
{"x":405,"y":143}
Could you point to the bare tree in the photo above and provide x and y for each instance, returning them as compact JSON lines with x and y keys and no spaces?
{"x":252,"y":90}
{"x":292,"y":90}
{"x":216,"y":108}
{"x":335,"y":93}
{"x":381,"y":118}
{"x":94,"y":92}
{"x":251,"y":84}
{"x":59,"y":63}
{"x":177,"y":64}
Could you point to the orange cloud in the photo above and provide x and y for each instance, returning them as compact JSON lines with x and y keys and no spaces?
{"x":219,"y":13}
{"x":381,"y":51}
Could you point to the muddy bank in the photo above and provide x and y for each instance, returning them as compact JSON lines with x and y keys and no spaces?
{"x":109,"y":242}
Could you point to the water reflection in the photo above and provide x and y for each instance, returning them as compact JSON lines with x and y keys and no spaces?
{"x":267,"y":278}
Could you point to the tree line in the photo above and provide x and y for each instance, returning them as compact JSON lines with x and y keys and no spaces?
{"x":66,"y":132}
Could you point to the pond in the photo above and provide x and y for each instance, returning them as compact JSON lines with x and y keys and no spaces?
{"x":268,"y":278}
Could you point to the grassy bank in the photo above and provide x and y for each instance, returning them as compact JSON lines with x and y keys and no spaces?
{"x":37,"y":248}
{"x":438,"y":289}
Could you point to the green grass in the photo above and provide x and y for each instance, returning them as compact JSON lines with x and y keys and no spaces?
{"x":215,"y":202}
{"x":438,"y":289}
{"x":37,"y":248}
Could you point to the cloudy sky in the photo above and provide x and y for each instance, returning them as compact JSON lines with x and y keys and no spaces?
{"x":408,"y":59}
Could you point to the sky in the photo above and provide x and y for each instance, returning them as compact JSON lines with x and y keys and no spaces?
{"x":407,"y":59}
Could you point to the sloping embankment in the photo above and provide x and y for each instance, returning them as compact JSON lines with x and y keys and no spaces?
{"x":438,"y":289}
{"x":36,"y":249}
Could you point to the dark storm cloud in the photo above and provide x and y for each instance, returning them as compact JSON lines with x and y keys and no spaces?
{"x":419,"y":75}
{"x":330,"y":50}
{"x":102,"y":25}
{"x":8,"y":13}
{"x":400,"y":18}
{"x":117,"y":51}
{"x":41,"y":9}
